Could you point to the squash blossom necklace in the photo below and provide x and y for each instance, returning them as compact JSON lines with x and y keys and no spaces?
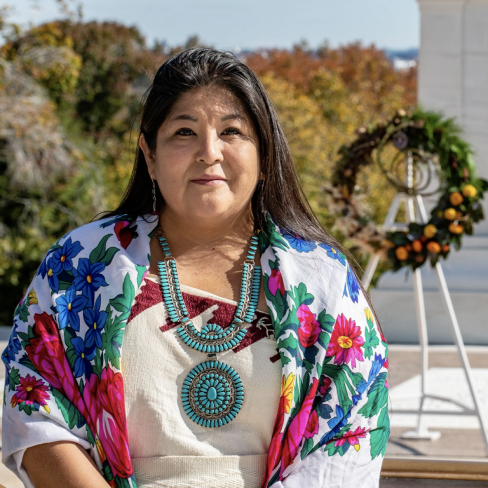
{"x":212,"y":393}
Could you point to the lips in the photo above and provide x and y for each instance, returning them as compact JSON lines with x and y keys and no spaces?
{"x":209,"y":180}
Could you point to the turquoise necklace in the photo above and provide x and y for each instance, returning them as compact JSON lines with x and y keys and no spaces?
{"x":212,"y":393}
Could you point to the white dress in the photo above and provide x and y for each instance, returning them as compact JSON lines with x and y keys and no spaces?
{"x":166,"y":447}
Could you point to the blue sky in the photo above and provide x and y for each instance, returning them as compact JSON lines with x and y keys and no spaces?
{"x":227,"y":24}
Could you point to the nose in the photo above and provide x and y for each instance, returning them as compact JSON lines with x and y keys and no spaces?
{"x":210,"y":148}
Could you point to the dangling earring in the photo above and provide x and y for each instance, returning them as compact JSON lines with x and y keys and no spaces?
{"x":154,"y":196}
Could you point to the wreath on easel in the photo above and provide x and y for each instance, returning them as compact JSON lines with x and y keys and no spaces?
{"x":434,"y":144}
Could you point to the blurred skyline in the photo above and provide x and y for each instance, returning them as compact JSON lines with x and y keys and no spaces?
{"x":389,"y":24}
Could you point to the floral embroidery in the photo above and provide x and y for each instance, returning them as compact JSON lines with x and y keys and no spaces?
{"x":346,"y":342}
{"x":66,"y":360}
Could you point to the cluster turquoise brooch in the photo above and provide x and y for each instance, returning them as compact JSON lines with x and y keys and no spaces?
{"x":212,"y":393}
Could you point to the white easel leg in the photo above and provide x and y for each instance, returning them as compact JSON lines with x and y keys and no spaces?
{"x":422,"y":431}
{"x":462,"y":352}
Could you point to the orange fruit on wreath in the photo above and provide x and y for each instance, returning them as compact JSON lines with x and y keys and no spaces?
{"x":430,"y":231}
{"x":469,"y":191}
{"x":450,"y":214}
{"x":456,"y":198}
{"x":401,"y":253}
{"x":446,"y":248}
{"x":455,"y":228}
{"x":417,"y":245}
{"x":434,"y":247}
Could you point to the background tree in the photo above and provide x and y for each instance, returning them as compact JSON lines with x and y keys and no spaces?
{"x":72,"y":92}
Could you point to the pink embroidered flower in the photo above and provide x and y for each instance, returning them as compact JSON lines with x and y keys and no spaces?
{"x":312,"y":426}
{"x":275,"y":283}
{"x":352,"y":438}
{"x":324,"y":387}
{"x":309,"y":330}
{"x":106,"y":401}
{"x":46,"y":351}
{"x":30,"y":391}
{"x":297,"y":428}
{"x":346,"y":342}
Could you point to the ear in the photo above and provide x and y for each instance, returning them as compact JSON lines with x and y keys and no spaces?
{"x":148,"y":156}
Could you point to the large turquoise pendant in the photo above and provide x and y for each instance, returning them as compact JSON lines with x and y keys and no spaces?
{"x":212,"y":394}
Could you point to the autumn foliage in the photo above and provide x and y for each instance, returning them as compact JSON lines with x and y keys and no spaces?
{"x":75,"y":89}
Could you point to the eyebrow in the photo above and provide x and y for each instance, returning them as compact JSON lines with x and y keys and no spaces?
{"x":226,"y":117}
{"x":234,"y":116}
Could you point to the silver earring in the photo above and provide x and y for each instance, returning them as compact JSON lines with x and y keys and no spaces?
{"x":154,"y":195}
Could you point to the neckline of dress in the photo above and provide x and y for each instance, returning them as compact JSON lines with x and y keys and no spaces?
{"x":190,"y":290}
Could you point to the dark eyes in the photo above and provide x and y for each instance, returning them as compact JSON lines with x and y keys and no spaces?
{"x":230,"y":131}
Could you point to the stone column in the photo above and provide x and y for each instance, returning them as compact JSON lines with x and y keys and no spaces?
{"x":453,"y":79}
{"x":453,"y":67}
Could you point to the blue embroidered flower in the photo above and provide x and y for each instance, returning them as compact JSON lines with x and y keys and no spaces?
{"x":84,"y":356}
{"x":88,"y":278}
{"x":297,"y":243}
{"x":95,"y":319}
{"x":13,"y":346}
{"x":53,"y":268}
{"x":351,"y":286}
{"x":334,"y":253}
{"x":68,"y":306}
{"x":64,"y":255}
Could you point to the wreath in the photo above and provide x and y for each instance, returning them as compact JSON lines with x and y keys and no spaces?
{"x":434,"y":145}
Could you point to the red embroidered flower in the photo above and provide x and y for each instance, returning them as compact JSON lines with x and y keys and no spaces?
{"x":123,"y":233}
{"x":297,"y":428}
{"x":105,"y":402}
{"x":352,"y":438}
{"x":46,"y":351}
{"x":325,"y":386}
{"x":309,"y":330}
{"x":312,"y":426}
{"x":346,"y":342}
{"x":275,"y":283}
{"x":30,"y":391}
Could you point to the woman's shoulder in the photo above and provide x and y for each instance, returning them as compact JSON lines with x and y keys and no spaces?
{"x":123,"y":227}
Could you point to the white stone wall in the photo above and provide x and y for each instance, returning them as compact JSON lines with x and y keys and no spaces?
{"x":453,"y":67}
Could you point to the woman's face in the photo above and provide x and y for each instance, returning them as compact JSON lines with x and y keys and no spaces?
{"x":206,"y":163}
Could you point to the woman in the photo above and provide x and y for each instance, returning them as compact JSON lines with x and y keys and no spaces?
{"x":223,"y":379}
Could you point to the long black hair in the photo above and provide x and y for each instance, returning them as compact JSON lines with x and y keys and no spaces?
{"x":280,"y":194}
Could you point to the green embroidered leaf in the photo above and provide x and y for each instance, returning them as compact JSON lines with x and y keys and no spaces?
{"x":24,"y":338}
{"x":71,"y":355}
{"x":342,"y":381}
{"x":89,"y":434}
{"x":122,"y":482}
{"x":371,"y":337}
{"x":301,"y":296}
{"x":97,"y":368}
{"x":123,"y":302}
{"x":377,"y":397}
{"x":102,"y":255}
{"x":23,"y":407}
{"x":290,"y":343}
{"x":379,"y":436}
{"x":13,"y":379}
{"x":70,"y":413}
{"x":284,"y":359}
{"x":324,"y":339}
{"x":308,"y":365}
{"x":278,"y":301}
{"x":22,"y":311}
{"x":307,"y":447}
{"x":327,"y":322}
{"x":140,"y":274}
